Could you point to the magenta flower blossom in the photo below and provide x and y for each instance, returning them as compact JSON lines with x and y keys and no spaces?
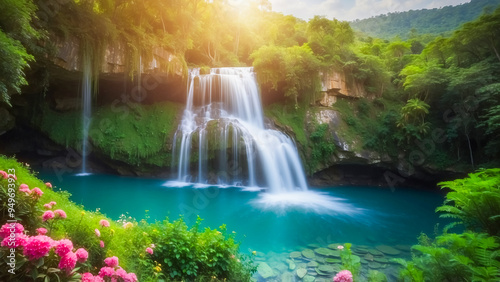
{"x":101,"y":244}
{"x":41,"y":231}
{"x":60,"y":213}
{"x":87,"y":277}
{"x":343,"y":276}
{"x":36,"y":193}
{"x":4,"y":174}
{"x":47,"y":206}
{"x":149,"y":250}
{"x":63,"y":247}
{"x":48,"y":184}
{"x":97,"y":232}
{"x":111,"y":261}
{"x":104,"y":223}
{"x":99,"y":279}
{"x":152,"y":246}
{"x":82,"y":255}
{"x":131,"y":277}
{"x":120,"y":272}
{"x":68,"y":261}
{"x":340,"y":247}
{"x":48,"y":215}
{"x":37,"y":247}
{"x":106,"y":271}
{"x":9,"y":228}
{"x":18,"y":240}
{"x":52,"y":203}
{"x":24,"y":188}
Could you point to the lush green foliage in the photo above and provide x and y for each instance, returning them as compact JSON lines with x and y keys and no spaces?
{"x":15,"y":30}
{"x":434,"y":21}
{"x":292,"y":70}
{"x":349,"y":261}
{"x":322,"y":146}
{"x":178,"y":249}
{"x":474,"y":201}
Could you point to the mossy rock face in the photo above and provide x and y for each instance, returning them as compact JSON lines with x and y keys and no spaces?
{"x":308,"y":253}
{"x":301,"y":272}
{"x":265,"y":270}
{"x":388,"y":250}
{"x":295,"y":254}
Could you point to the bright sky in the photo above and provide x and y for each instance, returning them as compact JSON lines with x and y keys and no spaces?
{"x":349,"y":10}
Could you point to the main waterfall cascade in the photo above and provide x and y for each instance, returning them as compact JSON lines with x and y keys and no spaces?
{"x":222,"y":138}
{"x":86,"y":111}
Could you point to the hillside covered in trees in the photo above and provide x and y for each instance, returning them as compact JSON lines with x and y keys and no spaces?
{"x":437,"y":21}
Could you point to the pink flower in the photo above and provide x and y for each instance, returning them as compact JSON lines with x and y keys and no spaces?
{"x":152,"y":246}
{"x":97,"y":232}
{"x":4,"y":174}
{"x":9,"y":228}
{"x":36,"y":193}
{"x":60,"y":213}
{"x":24,"y":188}
{"x":149,"y":250}
{"x":98,"y":279}
{"x":47,"y":206}
{"x":63,"y":247}
{"x":104,"y":223}
{"x":48,"y":215}
{"x":106,"y":271}
{"x":37,"y":247}
{"x":343,"y":276}
{"x":68,"y":261}
{"x":52,"y":203}
{"x":131,"y":277}
{"x":340,"y":247}
{"x":87,"y":277}
{"x":120,"y":272}
{"x":82,"y":255}
{"x":41,"y":231}
{"x":111,"y":261}
{"x":48,"y":185}
{"x":101,"y":244}
{"x":18,"y":239}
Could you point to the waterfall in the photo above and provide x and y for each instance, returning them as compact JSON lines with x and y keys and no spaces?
{"x":87,"y":109}
{"x":222,"y":137}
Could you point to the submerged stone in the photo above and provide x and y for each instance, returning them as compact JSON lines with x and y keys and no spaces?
{"x":374,"y":265}
{"x":375,"y":252}
{"x":287,"y":277}
{"x":326,"y":268}
{"x":388,"y":250}
{"x":309,"y":278}
{"x":308,"y":253}
{"x":333,"y":260}
{"x":295,"y":254}
{"x":265,"y":270}
{"x":312,"y":264}
{"x":301,"y":272}
{"x":325,"y":252}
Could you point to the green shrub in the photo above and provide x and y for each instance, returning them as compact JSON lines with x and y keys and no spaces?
{"x":474,"y":201}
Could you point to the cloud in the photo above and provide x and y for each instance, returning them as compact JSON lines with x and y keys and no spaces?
{"x":351,"y":10}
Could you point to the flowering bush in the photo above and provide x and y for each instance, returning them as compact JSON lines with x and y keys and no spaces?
{"x":343,"y":276}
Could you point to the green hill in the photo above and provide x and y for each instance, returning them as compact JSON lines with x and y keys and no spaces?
{"x":426,"y":21}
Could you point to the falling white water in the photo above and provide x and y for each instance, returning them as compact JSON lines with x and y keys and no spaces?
{"x":222,"y":138}
{"x":87,"y":109}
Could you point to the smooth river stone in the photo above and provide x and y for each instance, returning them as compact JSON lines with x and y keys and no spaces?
{"x":312,"y":264}
{"x":295,"y":254}
{"x":287,"y":277}
{"x":309,"y":278}
{"x":374,"y":265}
{"x":308,"y":253}
{"x":313,"y":246}
{"x":301,"y":272}
{"x":333,"y":260}
{"x":291,"y":265}
{"x":381,"y":259}
{"x":326,"y":268}
{"x":334,"y":246}
{"x":404,"y":248}
{"x":388,"y":250}
{"x":324,"y":252}
{"x":368,"y":257}
{"x":375,"y":252}
{"x":265,"y":270}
